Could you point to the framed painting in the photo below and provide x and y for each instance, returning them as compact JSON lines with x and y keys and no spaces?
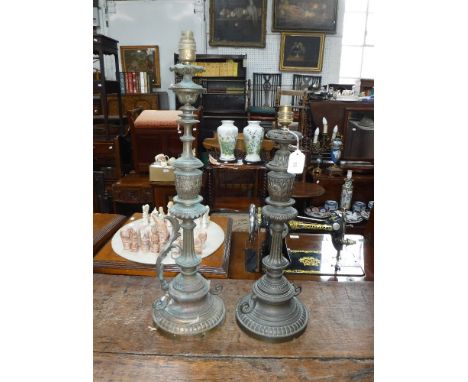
{"x":304,"y":16}
{"x":240,"y":23}
{"x":142,"y":58}
{"x":301,"y":52}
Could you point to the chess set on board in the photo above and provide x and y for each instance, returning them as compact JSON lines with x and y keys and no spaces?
{"x":142,"y":240}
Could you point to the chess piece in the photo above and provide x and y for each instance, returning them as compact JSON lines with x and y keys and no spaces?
{"x":125,"y":236}
{"x":134,"y":242}
{"x":154,"y":239}
{"x":145,"y":209}
{"x":145,"y":240}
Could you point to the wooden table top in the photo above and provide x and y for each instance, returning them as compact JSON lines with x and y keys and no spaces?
{"x":213,"y":266}
{"x":336,"y":346}
{"x":104,"y":226}
{"x":307,"y":190}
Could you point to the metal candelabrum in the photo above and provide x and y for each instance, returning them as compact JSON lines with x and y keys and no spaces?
{"x":271,"y":311}
{"x":188,"y":306}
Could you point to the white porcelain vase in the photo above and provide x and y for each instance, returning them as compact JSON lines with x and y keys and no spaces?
{"x":253,"y":138}
{"x":227,"y":136}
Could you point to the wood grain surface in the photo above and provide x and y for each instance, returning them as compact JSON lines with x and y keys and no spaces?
{"x":104,"y":227}
{"x":336,"y":346}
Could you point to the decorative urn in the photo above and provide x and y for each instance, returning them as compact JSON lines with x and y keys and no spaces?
{"x":227,"y":137}
{"x":253,"y":138}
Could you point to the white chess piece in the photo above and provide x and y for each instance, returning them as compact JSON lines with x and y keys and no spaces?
{"x":146,"y":219}
{"x":205,"y":220}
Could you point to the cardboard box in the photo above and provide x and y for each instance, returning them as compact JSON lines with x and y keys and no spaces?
{"x":160,"y":173}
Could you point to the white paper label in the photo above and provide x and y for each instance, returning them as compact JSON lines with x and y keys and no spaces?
{"x":296,"y":162}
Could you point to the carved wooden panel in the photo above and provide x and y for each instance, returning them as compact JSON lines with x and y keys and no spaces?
{"x":132,"y":101}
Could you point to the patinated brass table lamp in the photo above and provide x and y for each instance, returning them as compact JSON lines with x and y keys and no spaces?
{"x":271,"y":311}
{"x":188,"y":307}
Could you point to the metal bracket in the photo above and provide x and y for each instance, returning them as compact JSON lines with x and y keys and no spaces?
{"x":165,"y":250}
{"x":249,"y":305}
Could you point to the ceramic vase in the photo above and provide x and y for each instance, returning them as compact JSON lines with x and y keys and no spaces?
{"x":336,"y":146}
{"x":253,"y":138}
{"x":227,"y":136}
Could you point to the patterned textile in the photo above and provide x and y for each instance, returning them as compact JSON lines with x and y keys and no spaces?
{"x":157,"y":119}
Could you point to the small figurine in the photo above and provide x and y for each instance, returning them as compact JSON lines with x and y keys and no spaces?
{"x":199,"y":241}
{"x":146,"y":214}
{"x":154,"y":239}
{"x":145,"y":240}
{"x":170,"y":204}
{"x":125,"y":236}
{"x":134,"y":242}
{"x":202,"y":235}
{"x":205,"y":220}
{"x":162,"y":230}
{"x":154,"y":214}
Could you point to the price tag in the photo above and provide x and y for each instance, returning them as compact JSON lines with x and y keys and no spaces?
{"x":296,"y":162}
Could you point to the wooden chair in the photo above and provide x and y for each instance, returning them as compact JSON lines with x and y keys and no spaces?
{"x":262,"y":96}
{"x":305,"y":82}
{"x":102,"y":201}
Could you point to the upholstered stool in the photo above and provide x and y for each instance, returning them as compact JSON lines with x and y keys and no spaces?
{"x":152,"y":133}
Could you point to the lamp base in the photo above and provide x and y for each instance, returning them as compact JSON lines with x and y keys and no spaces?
{"x":278,"y":316}
{"x":188,"y":312}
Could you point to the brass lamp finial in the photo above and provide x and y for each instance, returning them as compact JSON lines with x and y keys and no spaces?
{"x":187,"y":47}
{"x":285,"y":115}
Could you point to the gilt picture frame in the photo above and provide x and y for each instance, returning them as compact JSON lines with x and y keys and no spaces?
{"x":239,"y":23}
{"x":142,"y":58}
{"x":301,"y":52}
{"x":305,"y":16}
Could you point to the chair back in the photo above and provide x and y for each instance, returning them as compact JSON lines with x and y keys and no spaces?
{"x":302,"y":81}
{"x":264,"y":89}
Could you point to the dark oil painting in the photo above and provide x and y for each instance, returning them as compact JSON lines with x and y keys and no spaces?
{"x":302,"y":52}
{"x":240,"y":23}
{"x":305,"y":15}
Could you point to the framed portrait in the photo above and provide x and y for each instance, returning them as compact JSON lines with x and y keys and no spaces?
{"x":304,"y":16}
{"x":240,"y":23}
{"x":301,"y":52}
{"x":142,"y":58}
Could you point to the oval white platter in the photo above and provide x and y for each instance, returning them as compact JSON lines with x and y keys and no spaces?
{"x":215,"y":237}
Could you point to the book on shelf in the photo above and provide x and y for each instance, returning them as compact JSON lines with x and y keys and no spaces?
{"x":136,"y":82}
{"x":122,"y":82}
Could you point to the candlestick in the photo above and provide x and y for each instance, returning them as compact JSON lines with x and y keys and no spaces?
{"x":335,"y":131}
{"x":316,"y":134}
{"x":325,"y":125}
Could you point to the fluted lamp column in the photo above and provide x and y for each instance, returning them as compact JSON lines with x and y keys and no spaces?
{"x":188,"y":307}
{"x":271,"y":311}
